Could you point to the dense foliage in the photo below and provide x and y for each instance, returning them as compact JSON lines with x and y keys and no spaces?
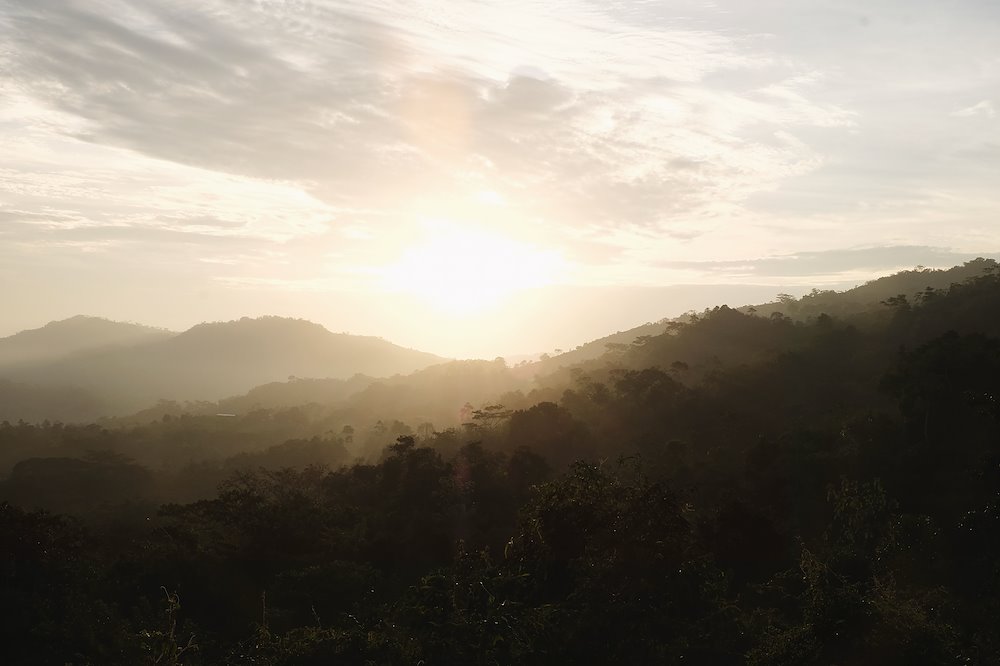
{"x":741,"y":489}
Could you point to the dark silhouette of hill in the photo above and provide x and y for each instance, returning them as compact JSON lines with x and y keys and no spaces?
{"x":436,"y":398}
{"x":860,"y":299}
{"x":593,"y":349}
{"x":740,"y":489}
{"x":292,"y":393}
{"x":103,"y":368}
{"x":214,"y":360}
{"x":295,"y":392}
{"x":441,"y":395}
{"x":59,"y":339}
{"x":870,"y":294}
{"x":437,"y":394}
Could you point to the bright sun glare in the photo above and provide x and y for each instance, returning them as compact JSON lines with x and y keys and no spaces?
{"x":464,"y":271}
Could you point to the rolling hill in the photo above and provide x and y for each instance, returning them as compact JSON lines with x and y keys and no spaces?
{"x":912,"y":284}
{"x":214,"y":360}
{"x":60,"y":339}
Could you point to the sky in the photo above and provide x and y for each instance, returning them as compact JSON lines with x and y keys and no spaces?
{"x":479,"y":178}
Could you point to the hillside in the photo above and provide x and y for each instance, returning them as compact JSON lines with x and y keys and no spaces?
{"x":595,"y":348}
{"x":912,"y":284}
{"x":212,"y":361}
{"x":437,"y":394}
{"x":32,"y":403}
{"x":59,"y":339}
{"x":863,"y":298}
{"x":743,"y":489}
{"x":437,"y":398}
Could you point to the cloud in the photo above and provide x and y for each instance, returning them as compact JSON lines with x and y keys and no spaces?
{"x":984,"y":108}
{"x":652,"y":145}
{"x":53,"y":182}
{"x":373,"y":104}
{"x":839,"y":264}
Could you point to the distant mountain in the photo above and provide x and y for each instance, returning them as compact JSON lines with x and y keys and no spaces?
{"x":296,"y":392}
{"x":105,"y":368}
{"x":266,"y":349}
{"x":215,"y":360}
{"x":438,"y":395}
{"x":59,"y":339}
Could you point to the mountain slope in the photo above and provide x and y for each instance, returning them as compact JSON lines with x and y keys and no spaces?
{"x":911,"y":284}
{"x":211,"y":361}
{"x":31,"y":403}
{"x":866,"y":297}
{"x":59,"y":339}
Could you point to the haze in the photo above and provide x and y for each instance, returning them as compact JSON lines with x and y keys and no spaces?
{"x":478,"y":333}
{"x":475,"y":179}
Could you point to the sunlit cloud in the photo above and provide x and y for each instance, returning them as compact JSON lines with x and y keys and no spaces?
{"x":593,"y":134}
{"x":614,"y":141}
{"x":54,"y":181}
{"x":984,"y":108}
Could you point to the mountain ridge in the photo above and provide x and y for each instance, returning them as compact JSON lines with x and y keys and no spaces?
{"x":215,"y":360}
{"x":80,"y":333}
{"x":229,"y":360}
{"x":910,"y":284}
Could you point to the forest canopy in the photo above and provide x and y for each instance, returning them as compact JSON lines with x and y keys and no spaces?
{"x":745,"y":487}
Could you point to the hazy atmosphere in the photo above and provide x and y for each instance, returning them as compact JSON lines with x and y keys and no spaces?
{"x":482,"y":333}
{"x":455,"y":177}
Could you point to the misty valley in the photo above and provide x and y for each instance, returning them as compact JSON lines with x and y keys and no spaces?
{"x":499,"y":333}
{"x":811,"y":480}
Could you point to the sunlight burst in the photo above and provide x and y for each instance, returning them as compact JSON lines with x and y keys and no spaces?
{"x":462,"y":271}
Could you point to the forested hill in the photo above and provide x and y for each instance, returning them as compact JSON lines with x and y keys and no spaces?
{"x":866,"y":297}
{"x":741,"y":489}
{"x":85,"y":368}
{"x":212,"y":361}
{"x":59,"y":339}
{"x":910,"y":284}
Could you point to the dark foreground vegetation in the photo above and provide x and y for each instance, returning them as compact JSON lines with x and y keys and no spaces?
{"x":740,"y":489}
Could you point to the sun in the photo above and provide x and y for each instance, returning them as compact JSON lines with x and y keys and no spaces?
{"x":462,"y":271}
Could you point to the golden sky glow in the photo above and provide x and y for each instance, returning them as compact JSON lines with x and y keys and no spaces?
{"x":375,"y":166}
{"x":459,"y":269}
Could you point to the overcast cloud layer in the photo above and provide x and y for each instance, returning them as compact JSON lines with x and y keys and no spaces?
{"x":199,"y":158}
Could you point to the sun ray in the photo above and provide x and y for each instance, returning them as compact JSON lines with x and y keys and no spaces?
{"x":460,"y":270}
